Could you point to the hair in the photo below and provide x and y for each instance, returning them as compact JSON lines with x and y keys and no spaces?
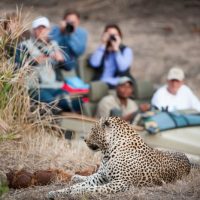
{"x":71,"y":12}
{"x":115,"y":26}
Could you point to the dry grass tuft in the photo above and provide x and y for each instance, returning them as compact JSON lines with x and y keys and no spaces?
{"x":45,"y":151}
{"x":16,"y":115}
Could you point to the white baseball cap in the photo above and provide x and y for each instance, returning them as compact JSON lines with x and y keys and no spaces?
{"x":176,"y":73}
{"x":41,"y":21}
{"x":124,"y":79}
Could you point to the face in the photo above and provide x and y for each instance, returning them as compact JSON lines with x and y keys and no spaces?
{"x":73,"y":19}
{"x":174,"y":86}
{"x":41,"y":33}
{"x":125,"y":90}
{"x":113,"y":31}
{"x":96,"y":139}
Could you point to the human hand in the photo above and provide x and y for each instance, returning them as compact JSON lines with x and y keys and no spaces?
{"x":62,"y":25}
{"x":105,"y":37}
{"x":116,"y":43}
{"x":145,"y":107}
{"x":57,"y":55}
{"x":41,"y":59}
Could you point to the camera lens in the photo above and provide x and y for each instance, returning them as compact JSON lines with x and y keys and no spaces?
{"x":69,"y":28}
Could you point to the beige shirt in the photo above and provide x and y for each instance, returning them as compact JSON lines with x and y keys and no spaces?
{"x":112,"y":102}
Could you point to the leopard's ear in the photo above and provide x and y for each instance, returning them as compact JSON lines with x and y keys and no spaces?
{"x":104,"y":122}
{"x":107,"y":123}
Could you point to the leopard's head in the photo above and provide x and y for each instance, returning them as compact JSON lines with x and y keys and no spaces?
{"x":101,"y":135}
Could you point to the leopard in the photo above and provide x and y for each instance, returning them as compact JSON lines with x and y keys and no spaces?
{"x":127,"y":161}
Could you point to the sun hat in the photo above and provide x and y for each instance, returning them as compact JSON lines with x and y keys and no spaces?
{"x":176,"y":73}
{"x":41,"y":21}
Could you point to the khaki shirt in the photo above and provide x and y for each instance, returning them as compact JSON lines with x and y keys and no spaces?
{"x":112,"y":102}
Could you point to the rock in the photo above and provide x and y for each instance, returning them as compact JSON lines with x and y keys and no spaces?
{"x":19,"y":179}
{"x":23,"y":179}
{"x":87,"y":171}
{"x":63,"y":176}
{"x":43,"y":177}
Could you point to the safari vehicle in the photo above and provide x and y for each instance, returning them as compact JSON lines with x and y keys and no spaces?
{"x":185,"y":139}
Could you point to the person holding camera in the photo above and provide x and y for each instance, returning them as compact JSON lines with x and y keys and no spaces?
{"x":71,"y":37}
{"x":112,"y":59}
{"x":44,"y":55}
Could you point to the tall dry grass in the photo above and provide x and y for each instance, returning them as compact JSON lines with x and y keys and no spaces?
{"x":27,"y":138}
{"x":14,"y":99}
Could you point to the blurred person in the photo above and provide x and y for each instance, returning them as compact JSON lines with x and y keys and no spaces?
{"x":44,"y":55}
{"x":120,"y":104}
{"x":175,"y":95}
{"x":71,"y":37}
{"x":12,"y":32}
{"x":112,"y":59}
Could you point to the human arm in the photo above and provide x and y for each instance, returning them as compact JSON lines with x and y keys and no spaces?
{"x":156,"y":100}
{"x":96,"y":58}
{"x":56,"y":34}
{"x":26,"y":56}
{"x":61,"y":58}
{"x":129,"y":117}
{"x":124,"y":59}
{"x":77,"y":41}
{"x":194,"y":101}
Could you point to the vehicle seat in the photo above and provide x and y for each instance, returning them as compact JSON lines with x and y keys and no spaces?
{"x":144,"y":91}
{"x":86,"y":72}
{"x":98,"y":90}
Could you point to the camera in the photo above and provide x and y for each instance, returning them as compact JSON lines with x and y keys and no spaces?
{"x":69,"y":28}
{"x":112,"y":38}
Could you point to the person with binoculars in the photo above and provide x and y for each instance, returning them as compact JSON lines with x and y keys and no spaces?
{"x":71,"y":37}
{"x":112,"y":59}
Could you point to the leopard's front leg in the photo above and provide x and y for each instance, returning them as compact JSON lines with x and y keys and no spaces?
{"x":92,"y":180}
{"x":82,"y":189}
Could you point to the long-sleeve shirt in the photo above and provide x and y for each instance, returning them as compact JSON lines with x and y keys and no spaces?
{"x":113,"y":62}
{"x":184,"y":99}
{"x":73,"y":44}
{"x":28,"y":51}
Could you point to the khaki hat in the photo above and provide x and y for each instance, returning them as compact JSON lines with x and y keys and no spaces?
{"x":176,"y":73}
{"x":124,"y":79}
{"x":41,"y":21}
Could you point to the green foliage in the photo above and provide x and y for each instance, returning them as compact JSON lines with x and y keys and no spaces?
{"x":3,"y":188}
{"x":4,"y":94}
{"x":9,"y":136}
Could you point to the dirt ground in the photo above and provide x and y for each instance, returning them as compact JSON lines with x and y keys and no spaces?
{"x":161,"y":33}
{"x":185,"y":189}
